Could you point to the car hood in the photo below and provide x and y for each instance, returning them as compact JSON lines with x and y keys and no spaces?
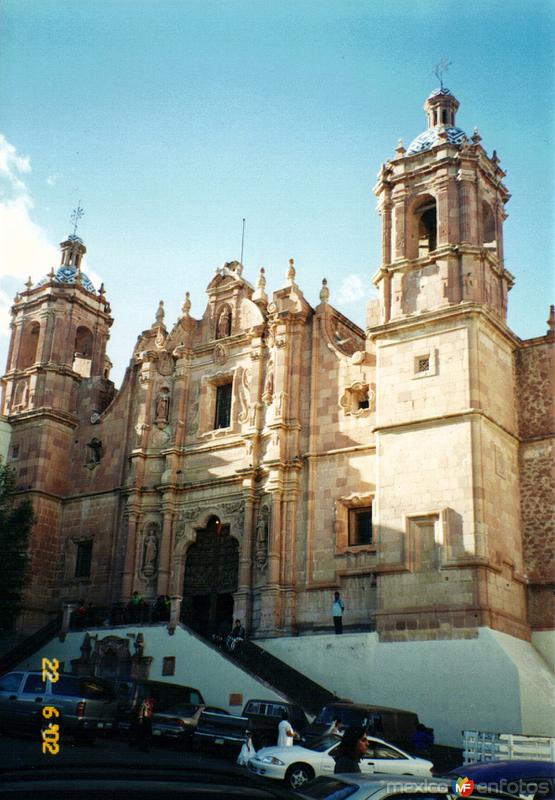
{"x":286,"y":753}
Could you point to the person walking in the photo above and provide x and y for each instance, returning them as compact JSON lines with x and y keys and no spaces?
{"x":353,"y":746}
{"x":337,"y":610}
{"x":144,"y":724}
{"x":286,"y":734}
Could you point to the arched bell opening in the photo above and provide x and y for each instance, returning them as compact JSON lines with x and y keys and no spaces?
{"x":489,"y":232}
{"x":30,"y":345}
{"x":422,"y":220}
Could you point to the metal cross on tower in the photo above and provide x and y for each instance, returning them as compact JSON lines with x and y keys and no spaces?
{"x":76,"y":215}
{"x":440,"y":68}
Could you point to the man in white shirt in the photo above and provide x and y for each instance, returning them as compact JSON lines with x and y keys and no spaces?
{"x":286,"y":734}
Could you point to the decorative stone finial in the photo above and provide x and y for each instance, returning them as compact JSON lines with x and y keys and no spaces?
{"x":52,"y":274}
{"x":400,"y":149}
{"x":102,"y":290}
{"x":495,"y":158}
{"x":160,"y":314}
{"x":260,"y":293}
{"x":29,"y":284}
{"x":324,"y":292}
{"x":476,"y":138}
{"x":551,"y":322}
{"x":186,"y":307}
{"x":291,"y":272}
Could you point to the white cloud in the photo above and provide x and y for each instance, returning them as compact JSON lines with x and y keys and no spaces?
{"x":51,"y":180}
{"x":24,"y":246}
{"x":352,"y":289}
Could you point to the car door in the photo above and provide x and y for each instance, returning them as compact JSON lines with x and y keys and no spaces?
{"x":383,"y":758}
{"x":30,"y":700}
{"x":9,"y":688}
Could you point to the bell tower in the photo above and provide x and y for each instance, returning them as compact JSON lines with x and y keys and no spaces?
{"x":442,"y":203}
{"x":59,"y":331}
{"x":447,"y":509}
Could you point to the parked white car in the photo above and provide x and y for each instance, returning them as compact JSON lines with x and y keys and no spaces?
{"x":297,"y":765}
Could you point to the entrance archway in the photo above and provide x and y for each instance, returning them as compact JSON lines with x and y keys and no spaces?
{"x":211,"y":575}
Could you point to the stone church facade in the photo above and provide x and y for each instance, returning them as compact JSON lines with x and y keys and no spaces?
{"x":258,"y":459}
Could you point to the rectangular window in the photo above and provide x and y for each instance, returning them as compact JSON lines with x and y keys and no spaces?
{"x":168,"y":665}
{"x":360,"y":526}
{"x":83,"y":560}
{"x":223,"y":406}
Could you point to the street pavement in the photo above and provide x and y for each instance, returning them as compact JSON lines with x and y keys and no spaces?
{"x":24,"y":752}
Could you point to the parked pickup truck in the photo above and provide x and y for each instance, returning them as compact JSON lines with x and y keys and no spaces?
{"x":260,"y":717}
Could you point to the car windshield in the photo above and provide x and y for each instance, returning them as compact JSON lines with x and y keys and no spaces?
{"x":323,"y":744}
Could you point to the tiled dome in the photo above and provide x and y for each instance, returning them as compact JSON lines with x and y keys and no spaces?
{"x":430,"y":138}
{"x":68,"y":275}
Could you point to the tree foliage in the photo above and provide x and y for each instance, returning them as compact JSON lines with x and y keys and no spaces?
{"x":16,"y":520}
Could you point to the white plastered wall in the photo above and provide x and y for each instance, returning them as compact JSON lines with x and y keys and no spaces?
{"x":197,"y":665}
{"x":492,"y":683}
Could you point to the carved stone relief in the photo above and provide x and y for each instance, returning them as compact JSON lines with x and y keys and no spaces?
{"x":262,"y":538}
{"x":244,"y":395}
{"x":219,"y":356}
{"x":149,"y":561}
{"x":194,"y":408}
{"x":268,"y":395}
{"x":165,"y":364}
{"x":162,"y":407}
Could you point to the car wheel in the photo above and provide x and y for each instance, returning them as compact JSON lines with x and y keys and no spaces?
{"x":298,"y":775}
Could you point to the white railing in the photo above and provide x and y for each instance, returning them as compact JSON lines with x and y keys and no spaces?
{"x":486,"y":746}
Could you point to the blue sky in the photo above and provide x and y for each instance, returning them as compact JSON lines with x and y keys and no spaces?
{"x":171,"y":121}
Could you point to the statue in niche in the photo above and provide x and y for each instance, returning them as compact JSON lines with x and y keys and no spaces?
{"x":150,"y":553}
{"x":262,"y":537}
{"x":223,"y":326}
{"x":269,"y":385}
{"x":163,"y":406}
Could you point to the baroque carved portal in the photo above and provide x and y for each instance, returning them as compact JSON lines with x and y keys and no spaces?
{"x":211,"y":576}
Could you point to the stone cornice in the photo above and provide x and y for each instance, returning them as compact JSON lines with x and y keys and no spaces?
{"x":439,"y":315}
{"x":446,"y":418}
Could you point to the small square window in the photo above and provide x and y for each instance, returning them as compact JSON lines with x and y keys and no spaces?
{"x":423,"y":364}
{"x":83,"y":560}
{"x":223,"y":406}
{"x":168,"y":665}
{"x":360,"y":526}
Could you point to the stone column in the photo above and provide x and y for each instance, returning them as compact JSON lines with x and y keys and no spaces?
{"x":129,"y":568}
{"x":386,"y":209}
{"x":400,"y":223}
{"x":165,"y":551}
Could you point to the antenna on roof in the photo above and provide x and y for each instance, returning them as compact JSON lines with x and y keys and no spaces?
{"x":440,"y":68}
{"x":242,"y":242}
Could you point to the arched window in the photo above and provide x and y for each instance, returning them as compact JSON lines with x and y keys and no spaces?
{"x":29,"y":345}
{"x":223,"y":323}
{"x":488,"y":225}
{"x":425,"y":219}
{"x":83,"y":342}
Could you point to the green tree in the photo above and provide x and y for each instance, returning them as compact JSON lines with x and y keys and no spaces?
{"x":16,"y":520}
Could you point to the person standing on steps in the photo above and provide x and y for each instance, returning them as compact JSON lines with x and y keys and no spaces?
{"x":337,"y":609}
